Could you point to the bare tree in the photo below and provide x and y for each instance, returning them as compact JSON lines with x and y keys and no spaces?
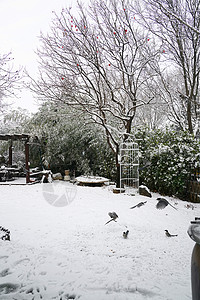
{"x":99,"y":61}
{"x":153,"y":116}
{"x":176,"y":25}
{"x":170,"y":12}
{"x":9,"y":78}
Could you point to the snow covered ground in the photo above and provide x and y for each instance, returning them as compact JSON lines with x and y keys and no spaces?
{"x":60,"y":247}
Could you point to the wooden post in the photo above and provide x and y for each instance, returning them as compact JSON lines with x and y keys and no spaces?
{"x":10,"y":155}
{"x":27,"y":162}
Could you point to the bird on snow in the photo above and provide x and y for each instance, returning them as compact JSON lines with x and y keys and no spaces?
{"x":162,"y":203}
{"x":125,"y":234}
{"x":169,"y":235}
{"x":113,"y":217}
{"x":138,"y":205}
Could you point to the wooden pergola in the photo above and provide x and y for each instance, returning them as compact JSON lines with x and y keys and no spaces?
{"x":15,"y":137}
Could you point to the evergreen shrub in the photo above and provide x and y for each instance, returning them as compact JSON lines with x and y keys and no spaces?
{"x":167,"y":160}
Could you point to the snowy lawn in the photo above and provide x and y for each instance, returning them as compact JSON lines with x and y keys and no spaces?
{"x":60,"y":247}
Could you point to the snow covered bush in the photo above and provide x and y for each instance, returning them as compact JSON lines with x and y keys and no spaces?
{"x":167,"y":160}
{"x":69,"y":141}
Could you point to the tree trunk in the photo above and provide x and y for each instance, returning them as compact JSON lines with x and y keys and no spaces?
{"x":118,"y":176}
{"x":189,"y":117}
{"x":118,"y":167}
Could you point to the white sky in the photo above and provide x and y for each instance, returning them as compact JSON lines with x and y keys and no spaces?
{"x":20,"y":24}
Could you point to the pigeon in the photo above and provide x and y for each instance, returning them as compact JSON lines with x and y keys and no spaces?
{"x":162,"y":203}
{"x":113,"y":216}
{"x":125,"y":234}
{"x":169,"y":235}
{"x":138,"y":205}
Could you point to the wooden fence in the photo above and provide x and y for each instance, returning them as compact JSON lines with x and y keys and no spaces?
{"x":193,"y":191}
{"x":194,"y":187}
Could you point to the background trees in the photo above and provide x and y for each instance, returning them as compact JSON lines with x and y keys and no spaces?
{"x":176,"y":25}
{"x":98,"y":61}
{"x":66,"y":141}
{"x":9,"y":78}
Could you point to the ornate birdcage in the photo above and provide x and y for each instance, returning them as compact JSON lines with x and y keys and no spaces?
{"x":129,"y":165}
